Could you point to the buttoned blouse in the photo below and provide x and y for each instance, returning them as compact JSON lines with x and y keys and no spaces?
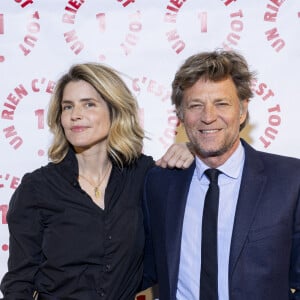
{"x":65,"y":246}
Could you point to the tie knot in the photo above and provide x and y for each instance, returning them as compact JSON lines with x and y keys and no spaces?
{"x":212,"y":175}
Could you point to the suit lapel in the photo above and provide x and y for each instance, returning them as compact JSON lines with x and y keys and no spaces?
{"x":177,"y":196}
{"x":252,"y":184}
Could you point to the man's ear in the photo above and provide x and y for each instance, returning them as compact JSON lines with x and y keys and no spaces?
{"x":179,"y":114}
{"x":243,"y":110}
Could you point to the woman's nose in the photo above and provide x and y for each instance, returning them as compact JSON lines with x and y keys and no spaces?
{"x":76,"y":113}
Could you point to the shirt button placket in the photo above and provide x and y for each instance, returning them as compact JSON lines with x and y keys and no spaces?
{"x":107,"y":267}
{"x":101,"y":292}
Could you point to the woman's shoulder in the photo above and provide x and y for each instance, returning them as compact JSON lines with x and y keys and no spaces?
{"x":140,"y":165}
{"x":146,"y":158}
{"x":145,"y":161}
{"x":39,"y":173}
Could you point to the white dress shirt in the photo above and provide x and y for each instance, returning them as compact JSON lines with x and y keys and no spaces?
{"x":188,"y":285}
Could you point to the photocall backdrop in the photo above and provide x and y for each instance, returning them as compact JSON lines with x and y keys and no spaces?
{"x":146,"y":41}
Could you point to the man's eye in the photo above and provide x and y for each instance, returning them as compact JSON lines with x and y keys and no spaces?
{"x":195,"y":106}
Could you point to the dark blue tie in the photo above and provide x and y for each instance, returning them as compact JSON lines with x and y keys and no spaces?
{"x":209,"y":246}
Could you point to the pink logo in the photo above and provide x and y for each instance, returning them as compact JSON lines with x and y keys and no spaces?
{"x":272,"y":113}
{"x":108,"y":31}
{"x":201,"y":19}
{"x":32,"y":28}
{"x":31,"y":117}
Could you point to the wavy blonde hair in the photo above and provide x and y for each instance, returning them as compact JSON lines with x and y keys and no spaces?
{"x":125,"y":139}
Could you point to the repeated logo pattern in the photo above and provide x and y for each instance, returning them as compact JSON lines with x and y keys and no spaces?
{"x":146,"y":41}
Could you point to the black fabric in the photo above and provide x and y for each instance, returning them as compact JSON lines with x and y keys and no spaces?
{"x":66,"y":247}
{"x":209,"y":251}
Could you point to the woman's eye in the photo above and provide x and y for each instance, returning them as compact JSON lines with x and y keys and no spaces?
{"x":88,"y":104}
{"x":66,"y":107}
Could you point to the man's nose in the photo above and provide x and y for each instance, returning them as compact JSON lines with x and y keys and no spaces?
{"x":209,"y":113}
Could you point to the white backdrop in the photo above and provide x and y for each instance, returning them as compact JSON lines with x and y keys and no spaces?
{"x":147,"y":41}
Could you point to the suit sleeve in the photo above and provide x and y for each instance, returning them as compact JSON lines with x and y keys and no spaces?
{"x":24,"y":244}
{"x":295,"y":257}
{"x":149,"y":275}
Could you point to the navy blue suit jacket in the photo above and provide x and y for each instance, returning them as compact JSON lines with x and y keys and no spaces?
{"x":264,"y":258}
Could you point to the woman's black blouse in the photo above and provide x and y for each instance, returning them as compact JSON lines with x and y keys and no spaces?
{"x":66,"y":247}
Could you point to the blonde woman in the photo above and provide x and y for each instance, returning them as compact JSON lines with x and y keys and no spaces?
{"x":76,"y":225}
